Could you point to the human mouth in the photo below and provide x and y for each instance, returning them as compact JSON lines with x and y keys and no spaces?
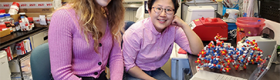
{"x":162,"y":20}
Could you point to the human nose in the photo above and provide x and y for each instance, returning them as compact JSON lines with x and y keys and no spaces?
{"x":163,"y":12}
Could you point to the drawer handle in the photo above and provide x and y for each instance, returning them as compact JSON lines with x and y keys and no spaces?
{"x":45,"y":38}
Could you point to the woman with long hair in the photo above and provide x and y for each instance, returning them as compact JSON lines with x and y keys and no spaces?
{"x":84,"y":35}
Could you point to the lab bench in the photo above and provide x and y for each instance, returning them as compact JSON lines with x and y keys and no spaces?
{"x":272,"y":74}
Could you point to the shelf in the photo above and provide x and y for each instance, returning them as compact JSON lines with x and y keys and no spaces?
{"x":19,"y":36}
{"x":20,"y":56}
{"x":201,"y":2}
{"x":133,"y":0}
{"x":132,"y":5}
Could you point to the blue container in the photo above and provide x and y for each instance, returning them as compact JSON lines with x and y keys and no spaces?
{"x":225,"y":8}
{"x":231,"y":26}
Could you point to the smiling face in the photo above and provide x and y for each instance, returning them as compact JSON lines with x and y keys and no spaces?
{"x":103,"y":3}
{"x":161,"y":15}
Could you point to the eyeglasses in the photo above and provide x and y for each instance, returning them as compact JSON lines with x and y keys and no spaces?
{"x":168,"y":11}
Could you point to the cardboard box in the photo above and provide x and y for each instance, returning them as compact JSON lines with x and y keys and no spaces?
{"x":20,"y":48}
{"x":27,"y":45}
{"x":5,"y":32}
{"x":9,"y":53}
{"x":15,"y":17}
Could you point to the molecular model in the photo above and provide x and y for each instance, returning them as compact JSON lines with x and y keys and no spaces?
{"x":225,"y":57}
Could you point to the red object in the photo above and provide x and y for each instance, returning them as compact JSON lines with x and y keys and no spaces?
{"x":2,"y":26}
{"x":236,"y":66}
{"x":181,"y":51}
{"x":227,"y":69}
{"x":15,"y":3}
{"x":9,"y":53}
{"x":20,"y":48}
{"x":249,"y":26}
{"x":207,"y":28}
{"x":2,"y":11}
{"x":244,"y":66}
{"x":30,"y":19}
{"x":197,"y":61}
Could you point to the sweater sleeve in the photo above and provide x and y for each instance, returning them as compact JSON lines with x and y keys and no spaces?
{"x":116,"y":62}
{"x":60,"y":45}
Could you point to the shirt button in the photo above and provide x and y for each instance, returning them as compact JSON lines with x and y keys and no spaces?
{"x":99,"y":63}
{"x":95,"y":73}
{"x":100,"y":44}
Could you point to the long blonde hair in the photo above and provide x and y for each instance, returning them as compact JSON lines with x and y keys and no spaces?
{"x":88,"y":11}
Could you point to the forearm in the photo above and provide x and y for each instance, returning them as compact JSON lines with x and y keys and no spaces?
{"x":116,"y":62}
{"x":116,"y":70}
{"x":195,"y":42}
{"x":138,"y":73}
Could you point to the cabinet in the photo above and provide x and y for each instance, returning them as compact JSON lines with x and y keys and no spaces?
{"x":4,"y":66}
{"x":38,"y":36}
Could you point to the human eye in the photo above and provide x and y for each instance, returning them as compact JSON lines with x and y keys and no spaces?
{"x":168,"y":9}
{"x":158,"y":8}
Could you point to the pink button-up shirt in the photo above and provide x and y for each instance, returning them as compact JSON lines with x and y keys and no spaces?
{"x":145,"y":47}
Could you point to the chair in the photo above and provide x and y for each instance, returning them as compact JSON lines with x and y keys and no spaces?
{"x":128,"y":24}
{"x":40,"y":63}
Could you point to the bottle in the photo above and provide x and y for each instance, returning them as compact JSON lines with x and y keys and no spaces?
{"x":9,"y":18}
{"x":9,"y":21}
{"x":31,"y":22}
{"x":2,"y":20}
{"x":14,"y":27}
{"x":14,"y":8}
{"x":21,"y":14}
{"x":2,"y":11}
{"x":25,"y":22}
{"x":22,"y":26}
{"x":17,"y":26}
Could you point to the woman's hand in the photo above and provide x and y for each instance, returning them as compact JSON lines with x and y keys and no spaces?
{"x":178,"y":22}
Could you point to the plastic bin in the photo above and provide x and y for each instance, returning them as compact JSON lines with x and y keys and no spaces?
{"x":225,"y":8}
{"x":249,"y":26}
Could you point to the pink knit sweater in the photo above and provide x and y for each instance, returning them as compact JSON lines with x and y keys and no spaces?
{"x":70,"y":55}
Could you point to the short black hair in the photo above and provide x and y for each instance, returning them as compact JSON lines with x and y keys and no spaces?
{"x":175,"y":3}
